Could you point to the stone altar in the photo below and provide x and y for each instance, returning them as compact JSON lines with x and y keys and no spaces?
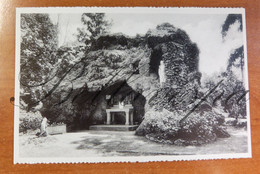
{"x":128,"y":109}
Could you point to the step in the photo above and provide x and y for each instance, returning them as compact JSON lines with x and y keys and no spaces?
{"x":114,"y":127}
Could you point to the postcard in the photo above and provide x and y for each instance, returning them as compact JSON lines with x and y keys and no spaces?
{"x":139,"y":84}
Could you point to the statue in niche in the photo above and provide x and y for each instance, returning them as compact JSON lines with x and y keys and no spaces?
{"x":161,"y":73}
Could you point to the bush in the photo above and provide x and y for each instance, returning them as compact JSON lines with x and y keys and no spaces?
{"x":29,"y":121}
{"x":197,"y":129}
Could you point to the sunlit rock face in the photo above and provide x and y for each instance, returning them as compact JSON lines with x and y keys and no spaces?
{"x":172,"y":48}
{"x":158,"y":67}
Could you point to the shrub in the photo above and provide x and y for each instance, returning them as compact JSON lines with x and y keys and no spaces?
{"x":199,"y":128}
{"x":29,"y":121}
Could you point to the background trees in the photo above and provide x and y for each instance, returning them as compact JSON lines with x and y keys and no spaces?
{"x":95,"y":24}
{"x":232,"y":87}
{"x":231,"y":19}
{"x":38,"y":53}
{"x":236,"y":58}
{"x":38,"y":47}
{"x":235,"y":108}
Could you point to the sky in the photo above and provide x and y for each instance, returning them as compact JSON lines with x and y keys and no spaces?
{"x":204,"y":30}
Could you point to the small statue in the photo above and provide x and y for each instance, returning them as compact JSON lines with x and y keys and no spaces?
{"x":43,"y":132}
{"x":121,"y":104}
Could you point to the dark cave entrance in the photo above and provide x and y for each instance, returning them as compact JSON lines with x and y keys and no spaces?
{"x":90,"y":106}
{"x":122,"y":92}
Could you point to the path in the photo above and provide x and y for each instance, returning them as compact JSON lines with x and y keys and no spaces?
{"x":112,"y":143}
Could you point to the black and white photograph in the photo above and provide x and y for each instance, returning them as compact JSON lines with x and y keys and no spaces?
{"x":130,"y":85}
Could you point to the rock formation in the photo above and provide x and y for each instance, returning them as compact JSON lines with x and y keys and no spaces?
{"x":120,"y":65}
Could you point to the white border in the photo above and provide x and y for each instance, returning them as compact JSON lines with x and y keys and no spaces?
{"x":154,"y":10}
{"x":17,"y":88}
{"x":139,"y":10}
{"x":247,"y":86}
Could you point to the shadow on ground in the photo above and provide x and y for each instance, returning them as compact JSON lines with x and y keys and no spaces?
{"x":114,"y":143}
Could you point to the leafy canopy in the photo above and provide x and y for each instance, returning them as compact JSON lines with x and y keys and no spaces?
{"x":95,"y":24}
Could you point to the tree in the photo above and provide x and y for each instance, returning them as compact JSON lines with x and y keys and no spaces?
{"x":229,"y":97}
{"x":231,"y":19}
{"x":38,"y":52}
{"x":230,"y":93}
{"x":38,"y":47}
{"x":236,"y":60}
{"x":95,"y":24}
{"x":238,"y":54}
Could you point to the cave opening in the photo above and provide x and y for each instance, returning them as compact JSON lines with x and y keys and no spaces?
{"x":93,"y":112}
{"x":121,"y":92}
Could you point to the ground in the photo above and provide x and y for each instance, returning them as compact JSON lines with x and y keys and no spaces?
{"x":112,"y":143}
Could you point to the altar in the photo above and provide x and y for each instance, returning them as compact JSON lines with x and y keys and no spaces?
{"x":127,"y":109}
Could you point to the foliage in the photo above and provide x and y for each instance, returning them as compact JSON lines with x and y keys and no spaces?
{"x":231,"y":19}
{"x":29,"y":121}
{"x":173,"y":99}
{"x":232,"y":89}
{"x":38,"y":48}
{"x":38,"y":55}
{"x":95,"y":24}
{"x":237,"y":54}
{"x":236,"y":58}
{"x":229,"y":94}
{"x":199,"y":128}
